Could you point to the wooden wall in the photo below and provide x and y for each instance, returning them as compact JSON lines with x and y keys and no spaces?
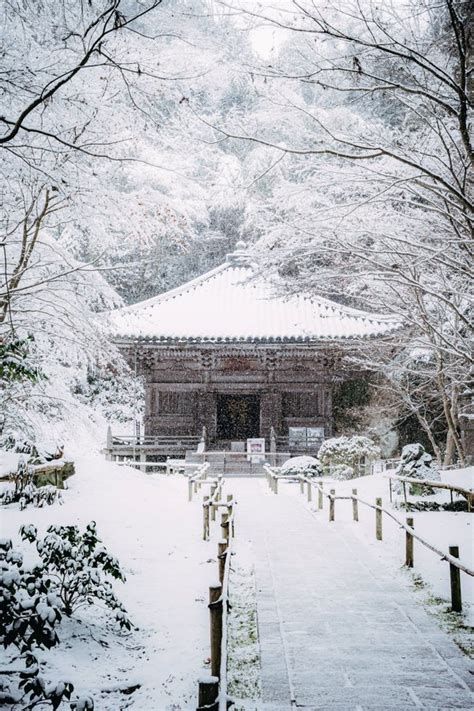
{"x":182,"y":384}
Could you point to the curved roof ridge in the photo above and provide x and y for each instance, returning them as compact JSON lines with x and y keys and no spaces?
{"x":177,"y":290}
{"x":350,"y":310}
{"x":226,"y":304}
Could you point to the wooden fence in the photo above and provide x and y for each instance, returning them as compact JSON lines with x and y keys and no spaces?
{"x":452,"y":557}
{"x":212,"y":689}
{"x":468,"y":494}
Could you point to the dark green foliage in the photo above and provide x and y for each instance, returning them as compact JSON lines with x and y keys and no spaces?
{"x":460,"y":505}
{"x":349,"y":399}
{"x":76,"y":566}
{"x":410,"y":430}
{"x":15,"y":361}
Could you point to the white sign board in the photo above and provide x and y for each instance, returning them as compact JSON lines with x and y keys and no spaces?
{"x":256,"y":449}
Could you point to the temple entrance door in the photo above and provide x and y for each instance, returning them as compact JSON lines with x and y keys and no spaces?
{"x":238,"y":416}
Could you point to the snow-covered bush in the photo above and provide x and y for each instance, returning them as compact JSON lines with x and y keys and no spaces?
{"x":342,"y":472}
{"x":29,"y":615}
{"x":29,"y":611}
{"x":302,"y":466}
{"x":25,"y":491}
{"x":346,"y":452}
{"x":15,"y":441}
{"x":76,"y":567}
{"x":415,"y":462}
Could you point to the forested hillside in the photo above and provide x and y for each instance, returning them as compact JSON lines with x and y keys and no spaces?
{"x":141,"y":140}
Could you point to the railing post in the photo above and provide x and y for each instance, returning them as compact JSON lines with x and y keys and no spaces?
{"x":390,"y":490}
{"x":355,"y":506}
{"x":455,"y":577}
{"x":378,"y":520}
{"x":213,"y":508}
{"x":404,"y":484}
{"x":208,"y":693}
{"x":309,"y":492}
{"x":275,"y":478}
{"x":205,"y":518}
{"x":215,"y":614}
{"x":301,"y":485}
{"x":221,"y":557}
{"x":225,"y":526}
{"x":320,"y":496}
{"x":409,"y":545}
{"x":332,"y":504}
{"x":190,"y":490}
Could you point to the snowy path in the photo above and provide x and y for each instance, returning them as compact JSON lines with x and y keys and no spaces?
{"x":338,"y":628}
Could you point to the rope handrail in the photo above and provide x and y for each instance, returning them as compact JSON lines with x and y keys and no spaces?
{"x":200,"y":471}
{"x":444,"y":556}
{"x":223,"y":698}
{"x":429,"y":482}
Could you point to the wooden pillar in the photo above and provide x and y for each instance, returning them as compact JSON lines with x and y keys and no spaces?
{"x":205,"y":518}
{"x":378,"y":520}
{"x":355,"y":506}
{"x":208,"y":693}
{"x":221,"y":556}
{"x":215,"y":612}
{"x":455,"y":579}
{"x":332,"y":505}
{"x":409,"y":545}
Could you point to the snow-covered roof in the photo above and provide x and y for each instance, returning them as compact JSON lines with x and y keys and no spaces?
{"x":232,"y":303}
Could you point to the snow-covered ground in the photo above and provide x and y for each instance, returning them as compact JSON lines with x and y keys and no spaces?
{"x":148,"y":523}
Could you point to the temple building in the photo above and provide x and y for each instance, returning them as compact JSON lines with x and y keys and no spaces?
{"x":228,"y":355}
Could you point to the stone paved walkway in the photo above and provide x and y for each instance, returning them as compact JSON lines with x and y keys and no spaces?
{"x":338,"y":629}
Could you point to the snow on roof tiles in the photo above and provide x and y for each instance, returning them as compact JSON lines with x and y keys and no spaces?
{"x":231,"y":303}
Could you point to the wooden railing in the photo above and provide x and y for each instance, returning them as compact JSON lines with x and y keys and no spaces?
{"x":212,"y":690}
{"x":468,"y":494}
{"x":452,"y":557}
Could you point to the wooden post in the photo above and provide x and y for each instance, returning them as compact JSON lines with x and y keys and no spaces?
{"x":230,"y":508}
{"x":309,"y":492}
{"x":378,"y":520}
{"x":213,"y":508}
{"x":190,"y":490}
{"x":275,"y":478}
{"x":390,"y":489}
{"x":208,"y":693}
{"x":215,"y":614}
{"x":221,"y":557}
{"x":409,"y":545}
{"x":320,"y":496}
{"x":225,"y":526}
{"x":301,"y":485}
{"x":355,"y":506}
{"x":332,"y":504}
{"x":455,"y":576}
{"x":404,"y":484}
{"x":205,"y":518}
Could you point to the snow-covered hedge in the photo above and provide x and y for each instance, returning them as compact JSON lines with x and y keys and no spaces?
{"x":302,"y":466}
{"x":348,"y":452}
